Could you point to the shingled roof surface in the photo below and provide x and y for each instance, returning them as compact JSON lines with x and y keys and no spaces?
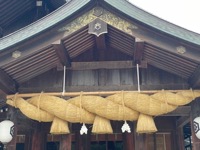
{"x":122,"y":6}
{"x":153,"y":21}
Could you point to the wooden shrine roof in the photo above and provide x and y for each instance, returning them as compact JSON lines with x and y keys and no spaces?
{"x":11,"y":11}
{"x":153,"y":21}
{"x":122,"y":6}
{"x":43,"y":48}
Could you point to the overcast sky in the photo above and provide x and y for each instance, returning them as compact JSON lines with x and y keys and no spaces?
{"x":184,"y":13}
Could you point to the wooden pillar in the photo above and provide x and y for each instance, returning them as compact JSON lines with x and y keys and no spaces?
{"x":12,"y":115}
{"x":82,"y":141}
{"x":65,"y":142}
{"x":180,"y":137}
{"x":78,"y":142}
{"x":28,"y":140}
{"x":180,"y":123}
{"x":39,"y":137}
{"x":140,"y":140}
{"x":128,"y":139}
{"x":195,"y":112}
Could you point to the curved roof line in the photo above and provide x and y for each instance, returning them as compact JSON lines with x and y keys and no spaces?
{"x":42,"y":24}
{"x":123,"y":6}
{"x":142,"y":16}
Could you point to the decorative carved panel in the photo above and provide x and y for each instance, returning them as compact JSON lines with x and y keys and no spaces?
{"x":101,"y":14}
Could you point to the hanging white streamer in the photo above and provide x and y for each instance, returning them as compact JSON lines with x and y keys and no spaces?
{"x":64,"y":77}
{"x":84,"y":129}
{"x":138,"y":77}
{"x":126,"y":127}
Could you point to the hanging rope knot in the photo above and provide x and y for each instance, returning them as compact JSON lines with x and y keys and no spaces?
{"x":193,"y":95}
{"x":14,"y":100}
{"x":80,"y":105}
{"x":38,"y":106}
{"x":123,"y":103}
{"x":165,"y":99}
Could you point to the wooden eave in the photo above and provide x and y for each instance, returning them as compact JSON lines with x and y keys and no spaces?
{"x":132,"y":12}
{"x":39,"y":42}
{"x":13,"y":10}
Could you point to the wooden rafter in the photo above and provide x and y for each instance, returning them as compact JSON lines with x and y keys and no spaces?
{"x":168,"y":44}
{"x":62,"y":53}
{"x":138,"y":51}
{"x":101,"y":42}
{"x":7,"y":84}
{"x":195,"y":79}
{"x":99,"y":54}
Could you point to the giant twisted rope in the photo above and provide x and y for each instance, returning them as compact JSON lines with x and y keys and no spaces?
{"x":98,"y":111}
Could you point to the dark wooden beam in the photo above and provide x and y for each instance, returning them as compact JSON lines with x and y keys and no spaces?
{"x":7,"y":84}
{"x":194,"y":81}
{"x":182,"y":121}
{"x":2,"y":98}
{"x":101,"y":42}
{"x":62,"y":53}
{"x":100,"y":48}
{"x":180,"y":111}
{"x":105,"y":65}
{"x":74,"y":88}
{"x":31,"y":47}
{"x":39,"y":138}
{"x":138,"y":51}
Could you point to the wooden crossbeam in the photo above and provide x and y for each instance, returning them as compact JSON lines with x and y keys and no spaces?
{"x":105,"y":65}
{"x":99,"y":93}
{"x":180,"y":111}
{"x":7,"y":84}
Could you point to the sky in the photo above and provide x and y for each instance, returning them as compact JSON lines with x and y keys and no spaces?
{"x":184,"y":13}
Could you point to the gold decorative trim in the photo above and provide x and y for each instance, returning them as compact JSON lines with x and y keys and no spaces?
{"x":105,"y":16}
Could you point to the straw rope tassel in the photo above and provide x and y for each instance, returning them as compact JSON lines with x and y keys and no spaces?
{"x":80,"y":105}
{"x":38,"y":106}
{"x":123,"y":104}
